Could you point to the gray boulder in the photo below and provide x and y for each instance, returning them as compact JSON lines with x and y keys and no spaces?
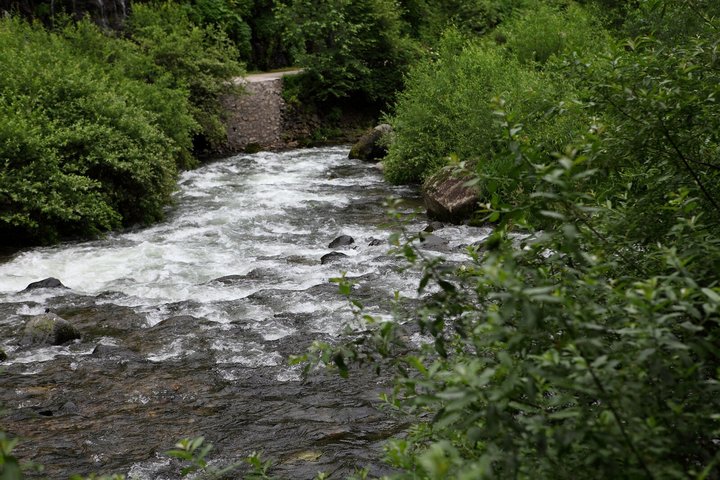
{"x":448,"y":199}
{"x":342,"y":241}
{"x":49,"y":282}
{"x":48,"y":329}
{"x":372,"y":146}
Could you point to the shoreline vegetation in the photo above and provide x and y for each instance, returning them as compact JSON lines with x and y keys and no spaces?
{"x":590,"y":130}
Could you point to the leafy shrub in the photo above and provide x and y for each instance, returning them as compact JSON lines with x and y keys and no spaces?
{"x":446,"y":109}
{"x":140,"y":79}
{"x":662,"y":134}
{"x":428,"y":19}
{"x":537,"y":33}
{"x":569,"y":354}
{"x":347,"y":47}
{"x":94,"y":127}
{"x":230,"y":16}
{"x":78,"y":155}
{"x":198,"y":59}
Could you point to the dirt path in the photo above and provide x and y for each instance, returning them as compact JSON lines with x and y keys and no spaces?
{"x":263,"y":77}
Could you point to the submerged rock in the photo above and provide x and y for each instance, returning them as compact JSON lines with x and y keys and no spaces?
{"x":342,"y":241}
{"x":103,"y":351}
{"x":433,"y":242}
{"x":48,"y":329}
{"x":332,"y":257}
{"x":448,"y":199}
{"x":374,"y":242}
{"x":49,"y":282}
{"x":372,"y":145}
{"x":228,"y":279}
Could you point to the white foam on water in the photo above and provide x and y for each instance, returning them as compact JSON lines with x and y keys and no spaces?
{"x":246,"y":354}
{"x":176,"y":349}
{"x":291,"y":374}
{"x":37,"y":355}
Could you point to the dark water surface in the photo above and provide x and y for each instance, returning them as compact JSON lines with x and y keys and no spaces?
{"x":187,"y":326}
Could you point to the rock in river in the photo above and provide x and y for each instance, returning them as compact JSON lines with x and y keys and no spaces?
{"x":332,"y":257}
{"x":372,"y":145}
{"x":342,"y":241}
{"x":49,"y":282}
{"x":448,"y":199}
{"x":48,"y":329}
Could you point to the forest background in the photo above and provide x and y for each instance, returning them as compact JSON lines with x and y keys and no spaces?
{"x":581,"y":341}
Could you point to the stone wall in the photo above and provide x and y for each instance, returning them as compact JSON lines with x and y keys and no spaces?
{"x":254,"y":119}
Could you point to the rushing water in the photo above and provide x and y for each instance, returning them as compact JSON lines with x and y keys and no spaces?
{"x":187,"y":326}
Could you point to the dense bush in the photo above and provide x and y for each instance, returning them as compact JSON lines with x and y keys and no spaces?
{"x":428,"y":19}
{"x":199,"y":59}
{"x":347,"y":47}
{"x":94,"y":128}
{"x":137,"y":76}
{"x":446,"y":109}
{"x":79,"y":154}
{"x":544,"y":30}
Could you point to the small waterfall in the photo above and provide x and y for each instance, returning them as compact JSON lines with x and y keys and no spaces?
{"x":103,"y":19}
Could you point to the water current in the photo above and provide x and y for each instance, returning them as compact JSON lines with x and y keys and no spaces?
{"x":187,"y":325}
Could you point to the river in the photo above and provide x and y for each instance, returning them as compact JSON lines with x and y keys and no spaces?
{"x":187,"y":325}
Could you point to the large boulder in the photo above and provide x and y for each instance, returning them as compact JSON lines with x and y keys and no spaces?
{"x":372,"y":146}
{"x":49,"y":282}
{"x":448,"y":199}
{"x":48,"y":329}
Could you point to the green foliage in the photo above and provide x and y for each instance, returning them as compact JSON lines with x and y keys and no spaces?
{"x":539,"y":32}
{"x":229,"y":16}
{"x":77,"y":156}
{"x":269,"y":49}
{"x":259,"y":468}
{"x":199,"y":59}
{"x":672,"y":20}
{"x":428,"y":19}
{"x":193,"y":452}
{"x":445,"y":109}
{"x":9,"y":465}
{"x":93,"y":128}
{"x":660,"y":102}
{"x":568,"y":354}
{"x":587,"y":349}
{"x":347,"y":47}
{"x":136,"y":75}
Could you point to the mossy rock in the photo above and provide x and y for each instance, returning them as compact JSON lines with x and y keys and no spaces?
{"x":372,"y":146}
{"x":448,"y":198}
{"x":48,"y":329}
